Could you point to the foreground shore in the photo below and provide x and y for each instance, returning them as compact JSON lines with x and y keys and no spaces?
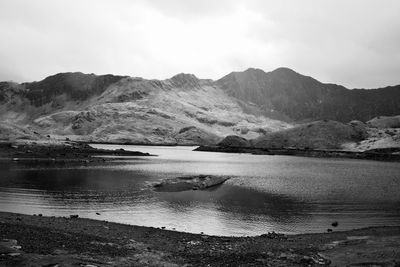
{"x":57,"y":241}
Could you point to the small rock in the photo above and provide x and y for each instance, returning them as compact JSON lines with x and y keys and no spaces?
{"x":40,"y":215}
{"x":9,"y":246}
{"x":75,"y":216}
{"x":329,"y":230}
{"x":193,"y":243}
{"x":97,"y":213}
{"x":283,"y":256}
{"x":335,"y":224}
{"x":60,"y":252}
{"x":14,"y":254}
{"x":263,"y":261}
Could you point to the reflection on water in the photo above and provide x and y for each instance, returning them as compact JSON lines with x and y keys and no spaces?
{"x":267,"y":193}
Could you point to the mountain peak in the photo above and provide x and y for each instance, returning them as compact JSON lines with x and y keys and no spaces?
{"x":254,"y":70}
{"x":185,"y":80}
{"x":184,"y":76}
{"x":284,"y":69}
{"x":286,"y":74}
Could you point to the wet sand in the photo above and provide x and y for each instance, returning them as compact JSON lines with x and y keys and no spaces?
{"x":27,"y":240}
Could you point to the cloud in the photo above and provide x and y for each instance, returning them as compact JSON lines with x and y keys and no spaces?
{"x":354,"y":42}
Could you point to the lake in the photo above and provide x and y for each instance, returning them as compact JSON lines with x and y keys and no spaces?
{"x":266,"y":193}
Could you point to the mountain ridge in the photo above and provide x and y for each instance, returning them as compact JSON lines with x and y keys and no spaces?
{"x":180,"y":110}
{"x":184,"y":109}
{"x":286,"y":93}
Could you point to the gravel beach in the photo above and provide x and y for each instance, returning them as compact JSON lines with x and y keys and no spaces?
{"x":28,"y":240}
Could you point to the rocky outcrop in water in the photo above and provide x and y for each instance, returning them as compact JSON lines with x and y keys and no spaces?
{"x":198,"y":182}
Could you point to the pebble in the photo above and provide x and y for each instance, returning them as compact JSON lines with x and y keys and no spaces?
{"x":14,"y":254}
{"x":60,"y":252}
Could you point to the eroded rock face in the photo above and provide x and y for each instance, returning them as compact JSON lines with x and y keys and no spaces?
{"x":198,"y":182}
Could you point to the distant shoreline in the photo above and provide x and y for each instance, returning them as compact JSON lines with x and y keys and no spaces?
{"x":315,"y":153}
{"x":39,"y":240}
{"x":65,"y":151}
{"x":134,"y":144}
{"x":82,"y":152}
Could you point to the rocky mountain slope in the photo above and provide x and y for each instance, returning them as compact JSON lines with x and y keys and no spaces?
{"x":316,"y":135}
{"x":184,"y":109}
{"x":321,"y":135}
{"x":286,"y":94}
{"x":180,"y":110}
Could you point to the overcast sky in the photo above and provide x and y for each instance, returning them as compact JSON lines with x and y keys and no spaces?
{"x":353,"y":43}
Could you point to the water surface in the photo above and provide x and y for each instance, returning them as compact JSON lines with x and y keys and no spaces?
{"x":267,"y":193}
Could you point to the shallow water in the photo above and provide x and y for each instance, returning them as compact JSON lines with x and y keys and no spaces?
{"x":267,"y":193}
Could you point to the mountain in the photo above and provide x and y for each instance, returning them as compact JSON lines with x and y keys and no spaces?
{"x":108,"y":108}
{"x":286,"y":94}
{"x":183,"y":109}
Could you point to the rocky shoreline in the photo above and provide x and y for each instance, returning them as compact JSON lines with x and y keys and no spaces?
{"x":67,"y":151}
{"x":27,"y":240}
{"x":376,"y":154}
